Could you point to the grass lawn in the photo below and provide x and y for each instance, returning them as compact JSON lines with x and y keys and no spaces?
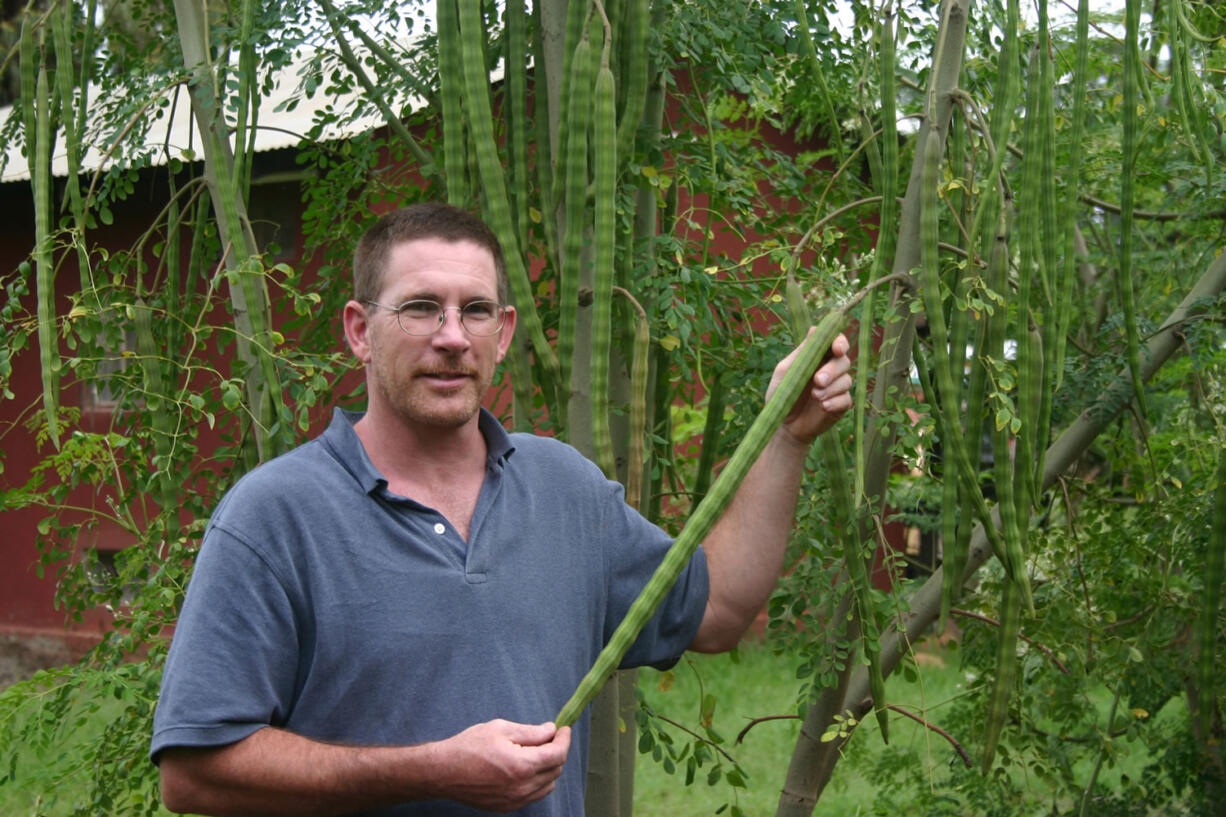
{"x":764,"y":684}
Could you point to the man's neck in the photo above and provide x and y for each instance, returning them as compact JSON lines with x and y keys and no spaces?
{"x":402,"y":450}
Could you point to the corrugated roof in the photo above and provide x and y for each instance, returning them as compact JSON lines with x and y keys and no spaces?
{"x":173,"y":133}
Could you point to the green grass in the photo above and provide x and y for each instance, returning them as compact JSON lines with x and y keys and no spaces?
{"x":761,"y":685}
{"x":917,"y":760}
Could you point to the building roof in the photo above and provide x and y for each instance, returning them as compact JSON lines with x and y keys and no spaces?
{"x":166,"y":128}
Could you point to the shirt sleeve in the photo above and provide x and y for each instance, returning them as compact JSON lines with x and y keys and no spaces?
{"x":634,"y":554}
{"x":233,"y":659}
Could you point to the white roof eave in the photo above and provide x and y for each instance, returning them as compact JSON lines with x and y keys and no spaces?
{"x":174,"y":134}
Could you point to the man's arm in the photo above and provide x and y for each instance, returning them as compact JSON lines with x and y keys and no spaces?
{"x":497,"y":766}
{"x":745,"y":548}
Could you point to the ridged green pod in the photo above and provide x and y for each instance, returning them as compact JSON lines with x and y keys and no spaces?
{"x":1064,"y":294}
{"x":1132,"y":24}
{"x":575,"y":170}
{"x":1210,"y":603}
{"x":36,"y":109}
{"x":451,"y":93}
{"x":857,"y":570}
{"x":705,"y":515}
{"x":1011,"y":599}
{"x":1006,"y":671}
{"x":640,"y":377}
{"x":604,"y":156}
{"x":634,"y":73}
{"x":494,"y":189}
{"x":515,"y":111}
{"x":1052,"y":240}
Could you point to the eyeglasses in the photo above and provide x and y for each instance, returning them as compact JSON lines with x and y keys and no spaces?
{"x":425,"y":317}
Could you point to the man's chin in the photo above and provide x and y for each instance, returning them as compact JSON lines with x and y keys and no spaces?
{"x":441,"y":416}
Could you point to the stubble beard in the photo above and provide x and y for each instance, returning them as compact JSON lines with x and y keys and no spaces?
{"x":414,"y":399}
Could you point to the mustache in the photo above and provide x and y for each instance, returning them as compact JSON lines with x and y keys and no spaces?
{"x":449,"y":365}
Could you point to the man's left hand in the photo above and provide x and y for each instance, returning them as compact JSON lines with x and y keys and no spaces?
{"x":826,"y":400}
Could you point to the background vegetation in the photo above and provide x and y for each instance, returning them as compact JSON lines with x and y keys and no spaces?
{"x":1041,"y":392}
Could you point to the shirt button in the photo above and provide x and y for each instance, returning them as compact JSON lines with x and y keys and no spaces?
{"x":440,"y":528}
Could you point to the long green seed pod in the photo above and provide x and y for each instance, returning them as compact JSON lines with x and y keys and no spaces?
{"x":1006,"y":655}
{"x":1053,"y":239}
{"x":1029,"y":240}
{"x":578,"y":118}
{"x":1132,"y":24}
{"x":640,"y":377}
{"x":883,"y":257}
{"x":1211,"y":601}
{"x":248,"y":100}
{"x":37,"y":103}
{"x":604,"y":141}
{"x":959,"y":327}
{"x":705,"y":515}
{"x":857,"y":571}
{"x":634,"y":74}
{"x":494,"y":188}
{"x":1006,"y":671}
{"x":1003,"y":115}
{"x":451,"y":92}
{"x":516,"y":113}
{"x":576,"y":29}
{"x":1064,"y":298}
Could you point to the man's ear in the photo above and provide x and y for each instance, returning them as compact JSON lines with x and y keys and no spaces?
{"x":357,"y":330}
{"x":506,"y":333}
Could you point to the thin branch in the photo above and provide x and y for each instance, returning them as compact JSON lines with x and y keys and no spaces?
{"x":741,"y":735}
{"x":933,"y":727}
{"x":696,"y":736}
{"x":1028,"y":640}
{"x":1149,"y":215}
{"x":966,"y":758}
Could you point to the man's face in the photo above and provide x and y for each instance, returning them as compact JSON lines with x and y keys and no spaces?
{"x":434,"y":380}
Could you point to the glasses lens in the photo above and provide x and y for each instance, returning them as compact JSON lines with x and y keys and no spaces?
{"x":481,"y":317}
{"x":420,"y":317}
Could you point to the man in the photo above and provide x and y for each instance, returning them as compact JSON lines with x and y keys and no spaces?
{"x":383,"y":620}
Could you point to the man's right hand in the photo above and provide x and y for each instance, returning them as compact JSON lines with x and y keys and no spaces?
{"x":502,"y":766}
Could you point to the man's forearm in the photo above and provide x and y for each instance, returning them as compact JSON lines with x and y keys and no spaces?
{"x":745,"y":548}
{"x":498,"y":766}
{"x":273,"y":772}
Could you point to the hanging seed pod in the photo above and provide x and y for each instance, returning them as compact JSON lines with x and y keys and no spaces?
{"x":604,"y":139}
{"x":1132,"y":24}
{"x":579,"y":120}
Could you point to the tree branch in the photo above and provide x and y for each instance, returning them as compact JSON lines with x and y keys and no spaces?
{"x":1045,"y":650}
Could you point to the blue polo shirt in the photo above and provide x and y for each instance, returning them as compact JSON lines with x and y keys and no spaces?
{"x":325,"y":604}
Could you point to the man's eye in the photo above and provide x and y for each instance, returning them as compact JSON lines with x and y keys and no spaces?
{"x":481,"y":310}
{"x":419,"y":309}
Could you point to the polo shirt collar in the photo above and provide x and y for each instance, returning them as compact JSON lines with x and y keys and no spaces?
{"x":342,"y":441}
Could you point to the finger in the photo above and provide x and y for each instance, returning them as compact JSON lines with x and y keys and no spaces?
{"x":841,"y":384}
{"x":831,"y":371}
{"x":531,"y":734}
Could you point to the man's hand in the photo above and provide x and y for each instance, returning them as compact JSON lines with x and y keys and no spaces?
{"x":821,"y":405}
{"x":502,"y":766}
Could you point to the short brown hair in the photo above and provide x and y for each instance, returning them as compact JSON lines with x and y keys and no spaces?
{"x":429,"y":219}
